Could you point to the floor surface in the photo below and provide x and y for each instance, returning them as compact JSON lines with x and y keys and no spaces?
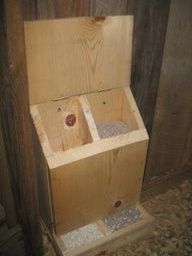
{"x":173,"y":225}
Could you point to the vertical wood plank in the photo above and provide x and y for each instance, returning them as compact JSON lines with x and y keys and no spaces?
{"x":29,"y":9}
{"x":43,"y":183}
{"x":51,"y":9}
{"x":130,"y":7}
{"x":6,"y":193}
{"x":47,"y":9}
{"x":150,"y":23}
{"x":108,"y":7}
{"x":16,"y":122}
{"x":171,"y":142}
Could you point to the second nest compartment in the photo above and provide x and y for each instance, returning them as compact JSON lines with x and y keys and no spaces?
{"x":112,"y":112}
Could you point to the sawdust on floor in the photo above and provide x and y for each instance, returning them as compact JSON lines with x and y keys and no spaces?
{"x":172,"y":235}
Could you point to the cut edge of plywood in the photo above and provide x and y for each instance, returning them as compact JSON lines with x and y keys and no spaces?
{"x":134,"y":107}
{"x":57,"y":159}
{"x":111,"y":240}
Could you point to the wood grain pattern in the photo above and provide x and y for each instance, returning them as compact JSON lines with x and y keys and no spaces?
{"x":171,"y":143}
{"x":47,"y":9}
{"x":51,"y":9}
{"x":86,"y":190}
{"x":29,"y":9}
{"x":93,"y":54}
{"x":43,"y":185}
{"x":105,"y":107}
{"x":150,"y":23}
{"x":89,"y":117}
{"x":149,"y":33}
{"x":16,"y":123}
{"x":62,"y":136}
{"x":87,"y":180}
{"x":6,"y":192}
{"x":108,"y":7}
{"x":44,"y":114}
{"x":60,"y":158}
{"x":150,"y":18}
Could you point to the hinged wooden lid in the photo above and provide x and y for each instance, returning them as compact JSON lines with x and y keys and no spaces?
{"x":78,"y":55}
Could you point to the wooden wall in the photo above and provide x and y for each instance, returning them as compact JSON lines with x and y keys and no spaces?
{"x":161,"y":76}
{"x":17,"y":160}
{"x":171,"y":139}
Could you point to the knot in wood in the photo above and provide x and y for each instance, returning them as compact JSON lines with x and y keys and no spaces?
{"x":70,"y":120}
{"x":97,"y":19}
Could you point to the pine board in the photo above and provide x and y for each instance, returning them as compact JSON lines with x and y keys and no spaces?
{"x":171,"y":142}
{"x":75,"y":56}
{"x":90,"y":187}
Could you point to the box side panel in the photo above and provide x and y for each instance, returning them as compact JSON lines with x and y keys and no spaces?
{"x":87,"y":190}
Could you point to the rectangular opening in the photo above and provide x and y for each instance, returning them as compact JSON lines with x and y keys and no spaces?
{"x":71,"y":123}
{"x":112,"y":112}
{"x":64,"y":124}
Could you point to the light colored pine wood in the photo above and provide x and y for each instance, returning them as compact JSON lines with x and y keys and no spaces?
{"x":40,"y":128}
{"x":133,"y":117}
{"x":112,"y":240}
{"x":89,"y":58}
{"x":88,"y":178}
{"x":86,"y":190}
{"x":53,"y":117}
{"x":89,"y":111}
{"x":77,"y":55}
{"x":56,"y":159}
{"x":89,"y":117}
{"x":106,"y":105}
{"x":115,"y":105}
{"x":6,"y":193}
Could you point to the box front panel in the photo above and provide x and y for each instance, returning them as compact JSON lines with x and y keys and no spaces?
{"x":86,"y":190}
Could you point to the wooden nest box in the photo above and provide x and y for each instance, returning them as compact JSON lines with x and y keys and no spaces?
{"x":88,"y":123}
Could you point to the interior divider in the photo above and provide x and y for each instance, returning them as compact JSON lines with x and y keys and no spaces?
{"x":89,"y":117}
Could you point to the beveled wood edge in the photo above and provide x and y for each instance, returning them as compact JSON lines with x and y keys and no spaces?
{"x":60,"y":158}
{"x":56,"y":159}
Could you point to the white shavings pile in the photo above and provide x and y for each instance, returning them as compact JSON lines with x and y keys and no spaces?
{"x":112,"y":128}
